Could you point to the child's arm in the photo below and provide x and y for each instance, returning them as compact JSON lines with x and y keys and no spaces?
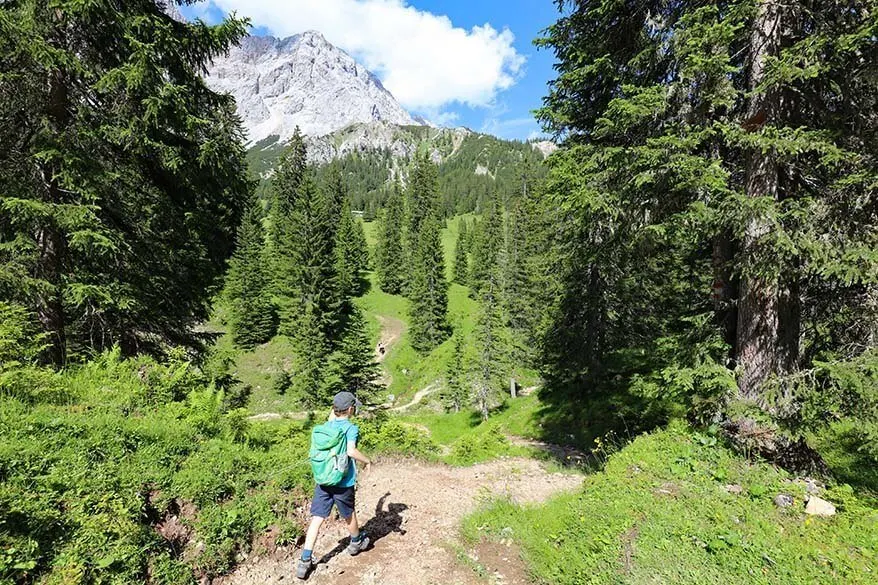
{"x":357,"y":455}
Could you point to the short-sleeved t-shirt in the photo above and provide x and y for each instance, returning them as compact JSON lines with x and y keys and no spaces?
{"x":352,"y":433}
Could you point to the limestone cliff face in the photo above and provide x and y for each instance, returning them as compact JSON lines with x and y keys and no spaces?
{"x":302,"y":81}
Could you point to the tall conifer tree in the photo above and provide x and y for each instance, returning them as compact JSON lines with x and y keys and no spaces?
{"x":123,"y":176}
{"x":719,"y":158}
{"x":352,"y":366}
{"x":487,"y":245}
{"x":253,"y":317}
{"x":286,"y":188}
{"x":390,"y":260}
{"x":491,"y":362}
{"x":428,"y":312}
{"x":461,"y":261}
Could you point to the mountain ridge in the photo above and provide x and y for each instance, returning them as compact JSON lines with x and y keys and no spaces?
{"x":302,"y":81}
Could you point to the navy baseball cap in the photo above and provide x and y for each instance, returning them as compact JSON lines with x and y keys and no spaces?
{"x":345,"y":400}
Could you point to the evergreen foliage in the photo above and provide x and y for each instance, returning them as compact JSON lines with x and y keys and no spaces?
{"x":285,"y":190}
{"x":319,"y":255}
{"x":123,"y":176}
{"x":456,"y":396}
{"x":21,"y":341}
{"x":390,"y":258}
{"x":352,"y":254}
{"x":461,"y":260}
{"x":253,"y":318}
{"x":487,"y":245}
{"x":312,"y":289}
{"x":428,"y":313}
{"x":491,"y":364}
{"x":472,"y":168}
{"x":352,"y":365}
{"x":421,"y":202}
{"x":716,"y":200}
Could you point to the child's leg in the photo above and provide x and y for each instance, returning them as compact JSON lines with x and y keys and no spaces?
{"x":321,"y":506}
{"x":313,"y":531}
{"x":346,"y":502}
{"x":353,"y":525}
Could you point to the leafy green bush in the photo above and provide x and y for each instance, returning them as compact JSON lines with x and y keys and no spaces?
{"x":382,"y":434}
{"x":85,"y":485}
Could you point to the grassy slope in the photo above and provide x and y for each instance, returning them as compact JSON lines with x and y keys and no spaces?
{"x":408,"y":370}
{"x":659,"y":513}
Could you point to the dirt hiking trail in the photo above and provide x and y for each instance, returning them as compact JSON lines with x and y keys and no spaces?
{"x":391,"y":331}
{"x":412,"y":511}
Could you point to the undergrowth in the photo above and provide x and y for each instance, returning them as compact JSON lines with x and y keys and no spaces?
{"x":661,"y":512}
{"x":95,"y":459}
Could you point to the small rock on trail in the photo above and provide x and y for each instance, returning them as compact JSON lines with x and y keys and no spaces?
{"x":412,"y":511}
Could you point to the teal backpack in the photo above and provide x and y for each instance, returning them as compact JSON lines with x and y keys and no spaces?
{"x":329,"y":454}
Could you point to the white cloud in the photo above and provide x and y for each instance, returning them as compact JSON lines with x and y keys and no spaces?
{"x":422,"y":58}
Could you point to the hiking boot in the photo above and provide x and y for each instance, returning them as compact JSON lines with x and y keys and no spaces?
{"x":355,"y":548}
{"x":304,"y":567}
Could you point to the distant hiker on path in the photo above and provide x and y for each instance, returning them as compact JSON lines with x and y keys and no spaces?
{"x":333,"y":446}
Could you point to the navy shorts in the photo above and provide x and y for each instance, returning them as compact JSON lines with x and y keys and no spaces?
{"x":325,"y":496}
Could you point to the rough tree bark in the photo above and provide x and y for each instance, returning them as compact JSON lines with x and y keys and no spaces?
{"x":50,"y":242}
{"x":725,"y":289}
{"x":757,"y":332}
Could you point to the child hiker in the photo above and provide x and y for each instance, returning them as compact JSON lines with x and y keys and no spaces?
{"x":333,"y":453}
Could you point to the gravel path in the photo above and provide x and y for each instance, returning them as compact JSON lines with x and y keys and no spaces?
{"x":413,"y":511}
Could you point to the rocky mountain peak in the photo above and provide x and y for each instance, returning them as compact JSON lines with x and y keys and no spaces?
{"x":302,"y":81}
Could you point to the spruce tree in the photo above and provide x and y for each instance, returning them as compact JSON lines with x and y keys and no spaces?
{"x":286,"y":188}
{"x":348,"y":262}
{"x":352,"y":365}
{"x":253,"y":318}
{"x":460,"y":273}
{"x":422,"y":201}
{"x":123,"y":175}
{"x":456,"y":395}
{"x":463,"y":234}
{"x":390,"y":259}
{"x":312,"y":349}
{"x":491,"y":363}
{"x":362,"y":259}
{"x":428,"y":309}
{"x":421,"y":196}
{"x":719,"y":160}
{"x":487,"y":245}
{"x":312,"y":253}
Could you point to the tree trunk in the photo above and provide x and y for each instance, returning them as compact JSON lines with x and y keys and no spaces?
{"x":50,"y":242}
{"x":757,"y":332}
{"x":789,"y":326}
{"x":595,"y":320}
{"x":50,"y":306}
{"x":725,"y":289}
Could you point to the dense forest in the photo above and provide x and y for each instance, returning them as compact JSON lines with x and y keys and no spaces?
{"x":681,"y":303}
{"x":472,"y":167}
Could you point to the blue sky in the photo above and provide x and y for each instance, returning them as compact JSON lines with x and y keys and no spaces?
{"x":453,"y":61}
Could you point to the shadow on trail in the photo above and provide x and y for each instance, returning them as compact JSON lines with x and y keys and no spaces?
{"x":382,"y":524}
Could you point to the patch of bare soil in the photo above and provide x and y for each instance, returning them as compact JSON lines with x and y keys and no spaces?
{"x":499,"y":563}
{"x":412,"y":512}
{"x":566,"y":456}
{"x":419,"y":397}
{"x":391,"y":331}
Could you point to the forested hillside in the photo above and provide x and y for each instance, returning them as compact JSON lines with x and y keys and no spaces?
{"x":677,"y":310}
{"x":472,"y":166}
